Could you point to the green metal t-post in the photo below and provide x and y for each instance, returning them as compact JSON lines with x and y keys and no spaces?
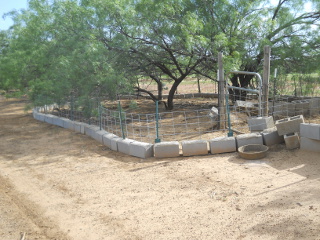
{"x":230,"y":133}
{"x":72,"y":109}
{"x":120,"y":118}
{"x":157,"y":140}
{"x":100,"y":115}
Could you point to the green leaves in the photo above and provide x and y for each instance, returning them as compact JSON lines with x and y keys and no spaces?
{"x":97,"y":47}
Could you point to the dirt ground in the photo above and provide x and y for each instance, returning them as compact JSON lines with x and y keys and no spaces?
{"x":58,"y":184}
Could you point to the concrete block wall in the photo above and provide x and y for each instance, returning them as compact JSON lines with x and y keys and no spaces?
{"x":306,"y":107}
{"x":301,"y":107}
{"x":310,"y":138}
{"x":289,"y":109}
{"x":68,"y":124}
{"x":49,"y":118}
{"x":277,"y":108}
{"x":282,"y":109}
{"x":57,"y":121}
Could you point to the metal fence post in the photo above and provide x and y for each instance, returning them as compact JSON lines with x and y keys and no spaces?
{"x":120,"y":118}
{"x":72,"y":108}
{"x":100,"y":115}
{"x":157,"y":140}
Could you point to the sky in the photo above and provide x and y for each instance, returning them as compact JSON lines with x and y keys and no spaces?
{"x":7,"y":6}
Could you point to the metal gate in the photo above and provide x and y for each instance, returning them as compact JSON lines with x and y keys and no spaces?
{"x":257,"y":91}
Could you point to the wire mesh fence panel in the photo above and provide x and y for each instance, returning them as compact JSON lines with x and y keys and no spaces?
{"x":288,"y":96}
{"x":242,"y":105}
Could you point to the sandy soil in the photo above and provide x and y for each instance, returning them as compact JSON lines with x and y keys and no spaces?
{"x":57,"y":184}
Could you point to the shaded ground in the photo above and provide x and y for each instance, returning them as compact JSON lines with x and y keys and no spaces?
{"x":57,"y":184}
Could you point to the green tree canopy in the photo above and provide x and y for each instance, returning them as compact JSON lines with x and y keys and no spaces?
{"x":95,"y":47}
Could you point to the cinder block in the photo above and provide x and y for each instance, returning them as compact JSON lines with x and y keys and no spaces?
{"x":41,"y":117}
{"x":276,"y":108}
{"x":83,"y":126}
{"x":280,"y":109}
{"x":106,"y":138}
{"x":314,"y":106}
{"x":166,"y":149}
{"x":68,"y":124}
{"x":292,"y":140}
{"x":310,"y":130}
{"x":77,"y":127}
{"x":222,"y":145}
{"x":57,"y":121}
{"x":97,"y":135}
{"x":34,"y":113}
{"x":124,"y":145}
{"x":194,"y":147}
{"x":289,"y":125}
{"x":271,"y":137}
{"x":114,"y":143}
{"x":141,"y":149}
{"x":244,"y":104}
{"x":90,"y":130}
{"x":49,"y":118}
{"x":289,"y":109}
{"x":301,"y":107}
{"x":308,"y":144}
{"x":260,"y":123}
{"x":249,"y":138}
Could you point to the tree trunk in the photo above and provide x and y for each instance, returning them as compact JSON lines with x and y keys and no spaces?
{"x":159,"y":90}
{"x":240,"y":80}
{"x":171,"y":94}
{"x":199,"y":89}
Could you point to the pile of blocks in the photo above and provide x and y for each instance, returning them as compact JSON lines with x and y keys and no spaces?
{"x":289,"y":128}
{"x":265,"y":126}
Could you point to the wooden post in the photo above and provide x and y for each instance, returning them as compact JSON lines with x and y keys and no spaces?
{"x":221,"y":93}
{"x":265,"y":80}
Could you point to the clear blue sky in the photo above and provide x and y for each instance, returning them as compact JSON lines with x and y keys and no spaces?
{"x":7,"y":6}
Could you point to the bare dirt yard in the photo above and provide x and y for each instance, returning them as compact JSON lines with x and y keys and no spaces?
{"x":58,"y":184}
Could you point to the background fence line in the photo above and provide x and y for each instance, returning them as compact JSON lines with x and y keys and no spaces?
{"x":289,"y":95}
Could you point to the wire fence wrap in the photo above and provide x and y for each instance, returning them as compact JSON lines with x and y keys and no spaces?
{"x":301,"y":96}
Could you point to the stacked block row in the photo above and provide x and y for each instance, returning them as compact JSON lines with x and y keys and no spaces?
{"x":159,"y":150}
{"x":126,"y":146}
{"x":304,"y":107}
{"x":286,"y":130}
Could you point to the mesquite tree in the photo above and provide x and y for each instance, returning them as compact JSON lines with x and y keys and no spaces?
{"x":91,"y":46}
